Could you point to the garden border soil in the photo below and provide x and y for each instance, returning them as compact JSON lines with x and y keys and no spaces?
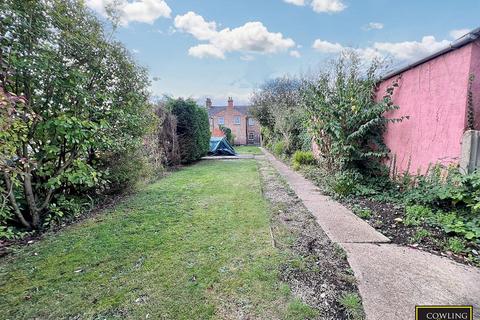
{"x":324,"y":274}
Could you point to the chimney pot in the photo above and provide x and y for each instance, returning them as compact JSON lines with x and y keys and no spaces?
{"x":230,"y":102}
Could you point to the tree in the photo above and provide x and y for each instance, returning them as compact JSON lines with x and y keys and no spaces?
{"x":277,"y":107}
{"x":193,"y":128}
{"x":76,"y":106}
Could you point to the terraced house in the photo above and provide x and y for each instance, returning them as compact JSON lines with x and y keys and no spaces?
{"x":245,"y":128}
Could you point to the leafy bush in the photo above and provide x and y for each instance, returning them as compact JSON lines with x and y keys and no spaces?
{"x":279,"y":148}
{"x":301,"y":158}
{"x":346,"y":122}
{"x":193,"y":128}
{"x":276,"y":105}
{"x":228,"y":134}
{"x":345,"y":183}
{"x":71,"y":102}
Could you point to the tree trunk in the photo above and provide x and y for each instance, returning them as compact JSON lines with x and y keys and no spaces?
{"x":30,"y":197}
{"x":13,"y":202}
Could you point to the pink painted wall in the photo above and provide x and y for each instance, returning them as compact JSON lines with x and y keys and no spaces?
{"x":434,"y":95}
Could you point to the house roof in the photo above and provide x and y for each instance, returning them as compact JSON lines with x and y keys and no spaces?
{"x":216,"y":109}
{"x":460,"y":42}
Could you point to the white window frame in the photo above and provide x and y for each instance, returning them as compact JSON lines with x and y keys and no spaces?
{"x":251,"y":122}
{"x":221,"y":121}
{"x":251,"y":136}
{"x":235,"y":120}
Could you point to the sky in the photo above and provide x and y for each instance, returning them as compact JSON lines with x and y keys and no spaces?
{"x":223,"y":48}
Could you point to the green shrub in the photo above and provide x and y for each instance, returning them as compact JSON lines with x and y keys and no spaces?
{"x":301,"y":158}
{"x":279,"y":148}
{"x":346,"y":122}
{"x":346,"y":183}
{"x":228,"y":134}
{"x":193,"y":128}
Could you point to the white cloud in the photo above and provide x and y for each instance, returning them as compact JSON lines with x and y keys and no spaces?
{"x":295,"y":53}
{"x":146,"y":11}
{"x":195,"y":25}
{"x":296,"y":2}
{"x":327,"y":47}
{"x":374,"y":26}
{"x":329,"y":6}
{"x":405,"y":51}
{"x":206,"y":50}
{"x":410,"y":50}
{"x":457,"y":33}
{"x":320,"y":6}
{"x":251,"y":37}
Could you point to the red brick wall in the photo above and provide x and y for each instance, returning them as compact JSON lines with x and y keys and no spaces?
{"x":240,"y":131}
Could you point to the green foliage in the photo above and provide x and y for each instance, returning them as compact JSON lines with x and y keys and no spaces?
{"x":193,"y":128}
{"x":299,"y":310}
{"x":11,"y":233}
{"x":346,"y":122}
{"x":72,"y":102}
{"x":279,"y":148}
{"x":419,"y":235}
{"x":345,"y":183}
{"x":352,"y":304}
{"x":302,"y":158}
{"x":416,"y":215}
{"x":276,"y":105}
{"x":228,"y":134}
{"x":363,"y":213}
{"x":456,"y":245}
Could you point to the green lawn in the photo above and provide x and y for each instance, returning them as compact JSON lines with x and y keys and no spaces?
{"x":248,"y":150}
{"x":195,"y":245}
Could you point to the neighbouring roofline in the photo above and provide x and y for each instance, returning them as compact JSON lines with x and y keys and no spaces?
{"x":454,"y":45}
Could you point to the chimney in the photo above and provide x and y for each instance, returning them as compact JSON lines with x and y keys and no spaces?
{"x":208,"y":103}
{"x":230,"y":102}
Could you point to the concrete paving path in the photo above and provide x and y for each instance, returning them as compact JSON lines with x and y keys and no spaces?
{"x":392,"y":279}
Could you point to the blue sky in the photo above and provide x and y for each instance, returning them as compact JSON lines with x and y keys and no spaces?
{"x":221,"y":48}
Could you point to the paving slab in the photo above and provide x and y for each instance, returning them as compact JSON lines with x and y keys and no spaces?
{"x":338,"y":222}
{"x":392,"y":279}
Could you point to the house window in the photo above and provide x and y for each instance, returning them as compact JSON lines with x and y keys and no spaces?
{"x":221,"y":121}
{"x":236,"y":120}
{"x":251,"y":136}
{"x":251,"y":122}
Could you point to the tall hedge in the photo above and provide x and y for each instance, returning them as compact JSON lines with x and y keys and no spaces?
{"x":193,"y":128}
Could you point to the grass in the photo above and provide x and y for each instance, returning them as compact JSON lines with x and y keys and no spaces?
{"x":248,"y":150}
{"x":352,"y":304}
{"x":195,"y":245}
